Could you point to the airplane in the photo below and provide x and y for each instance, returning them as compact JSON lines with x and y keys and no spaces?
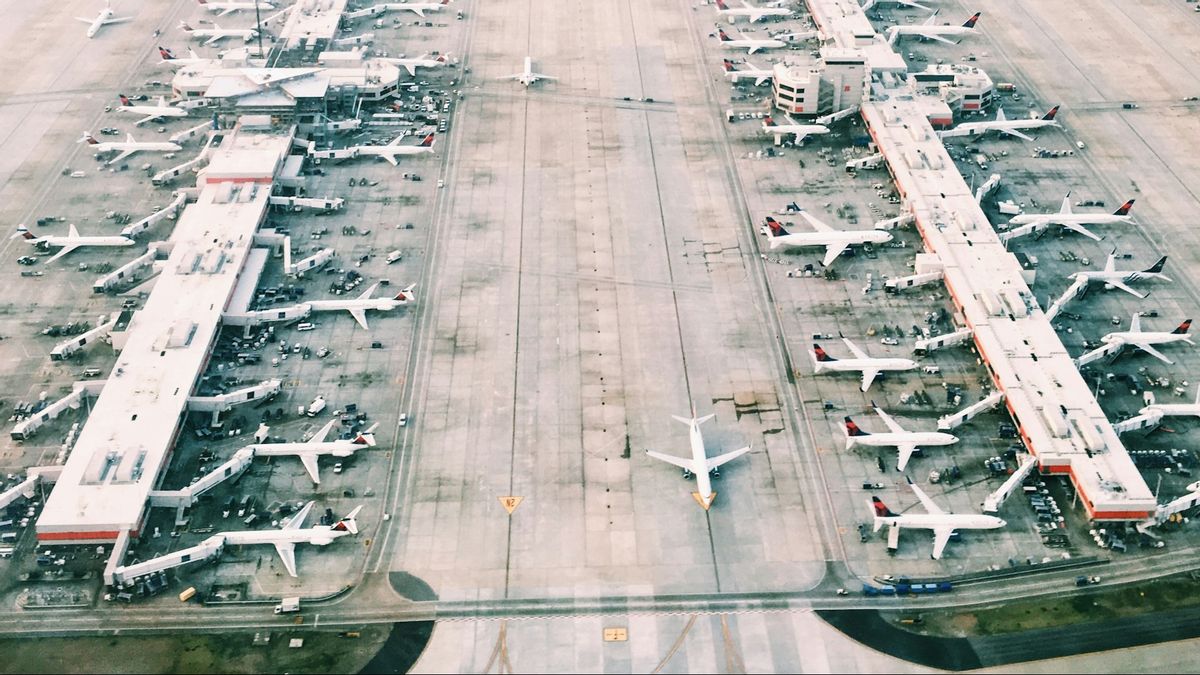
{"x":750,"y":11}
{"x":869,"y":367}
{"x":1175,"y":410}
{"x":760,"y":75}
{"x":126,"y":147}
{"x":102,"y":19}
{"x":154,"y":112}
{"x":217,"y":33}
{"x":286,"y":537}
{"x":905,"y":442}
{"x":168,"y":58}
{"x":358,"y":307}
{"x":1110,"y":276}
{"x":907,"y":3}
{"x":390,"y":151}
{"x":230,"y":6}
{"x":68,"y":243}
{"x":800,"y":131}
{"x":425,"y":61}
{"x":931,"y":31}
{"x":310,"y":451}
{"x":700,"y":465}
{"x":1036,"y":222}
{"x":750,"y":44}
{"x":527,"y":76}
{"x":1145,"y":340}
{"x":834,"y":241}
{"x":418,"y":7}
{"x":1003,"y":125}
{"x":942,"y":523}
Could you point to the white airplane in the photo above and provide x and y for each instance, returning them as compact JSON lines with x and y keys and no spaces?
{"x":286,"y":538}
{"x":750,"y":11}
{"x":393,"y":150}
{"x":760,"y":75}
{"x":1036,"y":222}
{"x":905,"y":442}
{"x":68,"y":243}
{"x":153,"y":112}
{"x":358,"y":307}
{"x":942,"y":523}
{"x":1145,"y":340}
{"x":1175,"y":410}
{"x":929,"y":30}
{"x":751,"y":45}
{"x":700,"y":465}
{"x":126,"y":147}
{"x":102,"y":19}
{"x":419,"y":8}
{"x":907,"y":3}
{"x":217,"y":33}
{"x":527,"y":76}
{"x":311,"y":450}
{"x":168,"y":58}
{"x":869,"y":367}
{"x":424,"y":61}
{"x":1003,"y":125}
{"x":794,"y":128}
{"x":834,"y":241}
{"x":1111,"y":276}
{"x":230,"y":6}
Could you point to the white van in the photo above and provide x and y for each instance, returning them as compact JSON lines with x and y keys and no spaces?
{"x":394,"y":256}
{"x":931,"y":370}
{"x":304,"y":326}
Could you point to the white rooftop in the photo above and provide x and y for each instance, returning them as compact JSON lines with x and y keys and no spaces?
{"x":219,"y":81}
{"x":312,"y":20}
{"x":844,"y":22}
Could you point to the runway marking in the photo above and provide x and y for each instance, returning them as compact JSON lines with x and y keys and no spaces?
{"x":618,"y":634}
{"x":511,"y":503}
{"x":733,"y":658}
{"x":675,"y":647}
{"x":500,"y":651}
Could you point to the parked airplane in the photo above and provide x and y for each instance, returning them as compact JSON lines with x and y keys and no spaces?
{"x":153,"y":112}
{"x":931,"y":31}
{"x":1035,"y":222}
{"x":942,"y":523}
{"x":800,"y":131}
{"x":102,"y":19}
{"x":286,"y":538}
{"x":760,"y":75}
{"x":169,"y":58}
{"x":834,"y":241}
{"x":907,"y":3}
{"x":358,"y":307}
{"x":1111,"y":276}
{"x":751,"y":45}
{"x":1003,"y":125}
{"x":419,"y":8}
{"x":217,"y":33}
{"x":1145,"y":341}
{"x":905,"y":442}
{"x":68,"y":243}
{"x":229,"y":6}
{"x":869,"y":367}
{"x":424,"y":61}
{"x":127,"y":147}
{"x":1175,"y":409}
{"x":311,"y":450}
{"x":527,"y":76}
{"x":700,"y":465}
{"x":393,"y":150}
{"x":750,"y":11}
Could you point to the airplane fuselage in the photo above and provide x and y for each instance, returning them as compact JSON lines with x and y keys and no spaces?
{"x":890,"y":439}
{"x":1154,"y":338}
{"x":980,"y":128}
{"x":859,"y":365}
{"x":703,"y":479}
{"x":105,"y":15}
{"x":753,"y":45}
{"x":801,"y":239}
{"x":755,"y":13}
{"x":59,"y":242}
{"x":320,"y":535}
{"x":957,"y":521}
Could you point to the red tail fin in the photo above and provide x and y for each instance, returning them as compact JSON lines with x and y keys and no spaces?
{"x":721,"y":34}
{"x":881,"y":509}
{"x":776,"y":227}
{"x":1183,"y":327}
{"x":729,"y":67}
{"x":124,"y":99}
{"x":1124,"y":210}
{"x":821,"y":355}
{"x":165,"y":53}
{"x":769,"y":122}
{"x":1050,"y":115}
{"x":721,"y":5}
{"x":971,"y":21}
{"x":428,"y":142}
{"x":852,"y":428}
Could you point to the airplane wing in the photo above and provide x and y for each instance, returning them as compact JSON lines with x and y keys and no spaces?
{"x":540,"y":76}
{"x":420,"y":12}
{"x":298,"y":519}
{"x":868,"y":376}
{"x":321,"y":435}
{"x":887,"y":419}
{"x":906,"y":452}
{"x":61,"y":252}
{"x":714,"y":462}
{"x":87,"y":21}
{"x":227,"y":10}
{"x":1125,"y":287}
{"x":1110,"y":265}
{"x":121,"y":19}
{"x":753,"y":49}
{"x":144,"y":120}
{"x":930,"y":507}
{"x":832,"y":251}
{"x":1017,"y":133}
{"x":1149,"y":349}
{"x":671,"y":459}
{"x":310,"y":465}
{"x":411,"y":68}
{"x":858,"y":353}
{"x":941,"y":535}
{"x":123,"y":155}
{"x":1135,"y":323}
{"x":939,"y":38}
{"x":287,"y":553}
{"x":360,"y":315}
{"x":760,"y":79}
{"x":1075,"y":227}
{"x":212,"y":40}
{"x":72,"y":231}
{"x":816,"y":224}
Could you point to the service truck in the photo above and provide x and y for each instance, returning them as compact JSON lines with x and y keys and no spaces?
{"x":288,"y":606}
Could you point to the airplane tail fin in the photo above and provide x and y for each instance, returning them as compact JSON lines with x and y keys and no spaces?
{"x":775,"y":228}
{"x":1125,"y":208}
{"x":183,"y":25}
{"x":1049,"y":116}
{"x":769,"y":122}
{"x":406,"y":295}
{"x":427,"y":142}
{"x":879,"y":512}
{"x":1183,"y":328}
{"x":124,"y":99}
{"x":819,"y":355}
{"x":165,"y":53}
{"x":721,"y":5}
{"x":348,"y":524}
{"x":971,"y":21}
{"x":1157,"y":267}
{"x":23,"y":232}
{"x":729,"y":67}
{"x":852,"y":429}
{"x":88,"y":138}
{"x":721,"y":34}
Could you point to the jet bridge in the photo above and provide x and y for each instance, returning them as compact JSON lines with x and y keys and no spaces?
{"x":314,"y":203}
{"x":1073,"y":291}
{"x":28,"y":427}
{"x":28,"y":487}
{"x":868,"y":162}
{"x":948,"y":340}
{"x":223,"y":402}
{"x":125,"y":271}
{"x":311,"y":262}
{"x":993,"y":501}
{"x":912,"y":281}
{"x":119,"y":575}
{"x":1110,"y":349}
{"x":970,"y":412}
{"x":232,"y":468}
{"x":65,"y":349}
{"x":169,"y":211}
